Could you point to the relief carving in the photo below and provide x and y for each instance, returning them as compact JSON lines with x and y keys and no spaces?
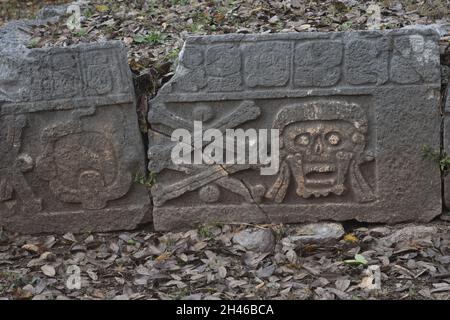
{"x":10,"y":84}
{"x":13,"y":164}
{"x":159,"y":155}
{"x":341,"y":102}
{"x":98,"y":73}
{"x":322,"y":147}
{"x":268,"y":64}
{"x":59,"y":79}
{"x":82,"y":166}
{"x":69,"y":139}
{"x":318,"y":63}
{"x":206,"y":178}
{"x":193,"y":57}
{"x":367,"y":61}
{"x":223,"y":67}
{"x":192,"y":77}
{"x":412,"y":60}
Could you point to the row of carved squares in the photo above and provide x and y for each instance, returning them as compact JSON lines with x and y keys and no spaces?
{"x":223,"y":60}
{"x":71,"y":59}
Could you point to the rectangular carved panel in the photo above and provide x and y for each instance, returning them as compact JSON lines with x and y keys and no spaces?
{"x":70,"y":146}
{"x":353,"y":112}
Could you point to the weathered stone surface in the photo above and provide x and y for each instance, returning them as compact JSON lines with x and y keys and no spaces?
{"x":70,"y":146}
{"x":256,"y":239}
{"x":446,"y":144}
{"x":447,"y":99}
{"x":408,"y":233}
{"x":379,"y":231}
{"x":353,"y":109}
{"x":52,"y":12}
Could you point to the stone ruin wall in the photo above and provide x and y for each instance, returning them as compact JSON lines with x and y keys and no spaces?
{"x":357,"y":106}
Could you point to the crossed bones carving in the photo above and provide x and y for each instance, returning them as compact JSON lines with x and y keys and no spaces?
{"x":200,"y":175}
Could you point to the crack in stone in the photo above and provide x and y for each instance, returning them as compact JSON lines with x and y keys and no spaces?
{"x":255,"y":202}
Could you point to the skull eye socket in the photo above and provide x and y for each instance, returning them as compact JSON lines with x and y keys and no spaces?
{"x":303,"y":139}
{"x":333,"y":138}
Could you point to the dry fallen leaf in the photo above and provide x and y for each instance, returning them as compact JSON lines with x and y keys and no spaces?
{"x":31,"y":247}
{"x":222,"y":272}
{"x":48,"y":270}
{"x":163,"y":256}
{"x":101,"y":8}
{"x":70,"y":237}
{"x":372,"y":281}
{"x":350,"y":237}
{"x":128,"y":40}
{"x":48,"y":256}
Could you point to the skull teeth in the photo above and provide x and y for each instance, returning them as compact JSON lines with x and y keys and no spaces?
{"x":338,"y":190}
{"x":320,"y":169}
{"x":316,"y":194}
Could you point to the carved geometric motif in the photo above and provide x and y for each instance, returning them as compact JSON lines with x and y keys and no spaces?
{"x":268,"y":64}
{"x":367,"y":61}
{"x":98,"y":73}
{"x":223,"y":67}
{"x":317,"y":63}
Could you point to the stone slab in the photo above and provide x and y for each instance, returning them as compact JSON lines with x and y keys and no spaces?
{"x":447,"y":100}
{"x":70,"y":144}
{"x":379,"y":91}
{"x":446,"y":144}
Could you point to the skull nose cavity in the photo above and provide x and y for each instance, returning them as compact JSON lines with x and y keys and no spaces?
{"x":317,"y":146}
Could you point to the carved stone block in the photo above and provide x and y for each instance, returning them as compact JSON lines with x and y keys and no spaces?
{"x":446,"y":145}
{"x":70,"y":146}
{"x":353,"y":111}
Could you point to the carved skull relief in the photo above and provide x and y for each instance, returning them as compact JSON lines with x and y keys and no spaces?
{"x":322,"y":146}
{"x":319,"y":155}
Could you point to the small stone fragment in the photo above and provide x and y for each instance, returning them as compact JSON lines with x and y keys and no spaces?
{"x":318,"y":233}
{"x":408,"y":233}
{"x":255,"y":239}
